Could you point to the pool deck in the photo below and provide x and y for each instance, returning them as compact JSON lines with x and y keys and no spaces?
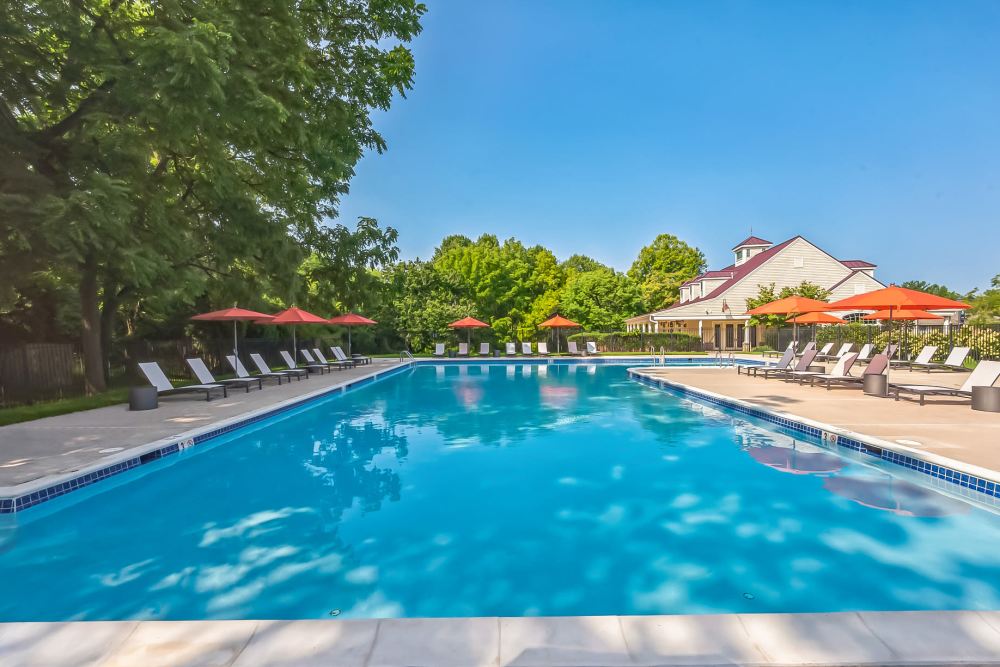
{"x":945,"y":427}
{"x":57,"y":446}
{"x":882,"y":638}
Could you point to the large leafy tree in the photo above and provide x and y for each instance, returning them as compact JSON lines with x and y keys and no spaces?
{"x":932,"y":288}
{"x":148,"y":142}
{"x":662,"y":267}
{"x":601,"y":300}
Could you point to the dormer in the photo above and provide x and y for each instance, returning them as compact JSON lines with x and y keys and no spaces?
{"x":750,"y":246}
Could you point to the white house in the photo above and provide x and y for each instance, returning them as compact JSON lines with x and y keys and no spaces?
{"x":714,"y":304}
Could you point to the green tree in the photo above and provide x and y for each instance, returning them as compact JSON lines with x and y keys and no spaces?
{"x":420,"y":302}
{"x":147,"y":143}
{"x":601,"y":300}
{"x":582,"y":264}
{"x":986,"y":305}
{"x":932,"y":288}
{"x":662,"y":267}
{"x":768,"y":293}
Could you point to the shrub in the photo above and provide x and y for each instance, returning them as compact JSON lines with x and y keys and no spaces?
{"x":635,"y":341}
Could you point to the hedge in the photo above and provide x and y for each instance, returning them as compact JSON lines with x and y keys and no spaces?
{"x":636,"y":341}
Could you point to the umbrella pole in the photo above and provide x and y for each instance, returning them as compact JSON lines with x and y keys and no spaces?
{"x":235,"y":345}
{"x":348,"y":341}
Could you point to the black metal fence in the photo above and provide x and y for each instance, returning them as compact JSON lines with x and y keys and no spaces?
{"x":44,"y":371}
{"x":983,"y":341}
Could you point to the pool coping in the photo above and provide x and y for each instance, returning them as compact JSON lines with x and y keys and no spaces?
{"x":834,"y":639}
{"x":20,"y":497}
{"x":956,"y":476}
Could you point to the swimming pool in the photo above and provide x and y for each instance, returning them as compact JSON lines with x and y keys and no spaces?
{"x":499,"y":489}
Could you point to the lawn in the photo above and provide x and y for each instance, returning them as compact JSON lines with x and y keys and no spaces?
{"x":61,"y":406}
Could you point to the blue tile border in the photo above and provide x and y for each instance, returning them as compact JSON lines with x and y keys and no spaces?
{"x":949,"y":475}
{"x":693,"y":361}
{"x":20,"y":503}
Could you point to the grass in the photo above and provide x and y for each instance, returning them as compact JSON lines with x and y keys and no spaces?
{"x":61,"y":406}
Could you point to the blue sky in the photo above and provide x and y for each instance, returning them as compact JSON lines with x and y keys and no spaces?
{"x":871,"y":128}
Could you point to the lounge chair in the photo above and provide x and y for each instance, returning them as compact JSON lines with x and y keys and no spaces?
{"x":292,"y":372}
{"x":984,"y":375}
{"x":543,"y":349}
{"x":158,"y":379}
{"x":841,"y":369}
{"x":876,"y":366}
{"x":205,"y":377}
{"x":864,"y":356}
{"x":922,"y":358}
{"x":484,"y":349}
{"x":338,"y":353}
{"x":890,"y":350}
{"x":339,"y":364}
{"x":811,"y":345}
{"x":311,"y":368}
{"x":511,"y":349}
{"x":954,"y":362}
{"x":241,"y":371}
{"x":463,"y":349}
{"x":780,"y":353}
{"x":801,"y":365}
{"x":573,"y":350}
{"x":438,"y":349}
{"x":312,"y":362}
{"x":592,"y":348}
{"x":784,"y":363}
{"x":844,"y":349}
{"x":526,"y":349}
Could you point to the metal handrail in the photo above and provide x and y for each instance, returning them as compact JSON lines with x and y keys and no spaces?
{"x":407,"y":355}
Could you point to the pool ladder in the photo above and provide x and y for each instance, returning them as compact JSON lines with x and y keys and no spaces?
{"x":658,"y":359}
{"x":724,"y":360}
{"x":404,"y":355}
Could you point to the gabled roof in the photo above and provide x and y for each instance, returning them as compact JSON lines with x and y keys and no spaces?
{"x":850,"y":275}
{"x":751,"y":240}
{"x":738,"y":273}
{"x":857,"y":264}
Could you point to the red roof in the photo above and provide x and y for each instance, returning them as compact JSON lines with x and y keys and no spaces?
{"x":738,"y":273}
{"x":857,"y":264}
{"x":751,"y":240}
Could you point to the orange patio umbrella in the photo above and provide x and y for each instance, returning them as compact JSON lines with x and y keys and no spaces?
{"x":894,"y":299}
{"x":791,"y":306}
{"x":468,"y":323}
{"x":557,"y":322}
{"x":293,"y":317}
{"x":902,"y":315}
{"x":233,"y":315}
{"x":351,"y":320}
{"x":817,"y":318}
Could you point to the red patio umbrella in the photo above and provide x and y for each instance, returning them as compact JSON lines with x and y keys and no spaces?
{"x":293,"y":317}
{"x":817,"y":318}
{"x":468,"y":323}
{"x":895,"y":299}
{"x":558,"y":322}
{"x":791,"y":306}
{"x":351,"y":320}
{"x":233,"y":315}
{"x":894,"y":495}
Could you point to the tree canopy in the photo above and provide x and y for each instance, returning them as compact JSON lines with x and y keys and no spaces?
{"x":662,"y":267}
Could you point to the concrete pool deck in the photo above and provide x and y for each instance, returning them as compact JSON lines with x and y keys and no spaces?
{"x":945,"y":426}
{"x":56,"y":446}
{"x":841,"y":639}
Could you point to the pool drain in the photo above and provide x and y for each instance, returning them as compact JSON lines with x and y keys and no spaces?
{"x":748,"y":596}
{"x":334,"y":612}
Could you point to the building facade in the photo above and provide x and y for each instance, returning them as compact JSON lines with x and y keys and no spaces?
{"x":713,"y":305}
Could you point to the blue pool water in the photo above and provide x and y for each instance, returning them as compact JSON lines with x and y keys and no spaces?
{"x":499,"y":490}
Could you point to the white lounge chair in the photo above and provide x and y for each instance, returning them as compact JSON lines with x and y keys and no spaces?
{"x":511,"y":349}
{"x":526,"y":349}
{"x":313,"y":364}
{"x":922,"y":359}
{"x":241,"y":371}
{"x":984,"y":375}
{"x":338,"y":352}
{"x":591,"y":347}
{"x":204,"y":376}
{"x":292,"y":372}
{"x":310,"y":367}
{"x":780,"y":353}
{"x":876,"y":366}
{"x":158,"y":379}
{"x":543,"y":349}
{"x":484,"y":349}
{"x":463,"y":349}
{"x":954,"y":362}
{"x":844,"y":349}
{"x":438,"y":349}
{"x":825,"y":350}
{"x":840,"y":370}
{"x":339,"y":364}
{"x":865,"y":354}
{"x":573,"y":350}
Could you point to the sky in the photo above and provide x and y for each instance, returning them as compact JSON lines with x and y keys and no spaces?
{"x":870,"y":128}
